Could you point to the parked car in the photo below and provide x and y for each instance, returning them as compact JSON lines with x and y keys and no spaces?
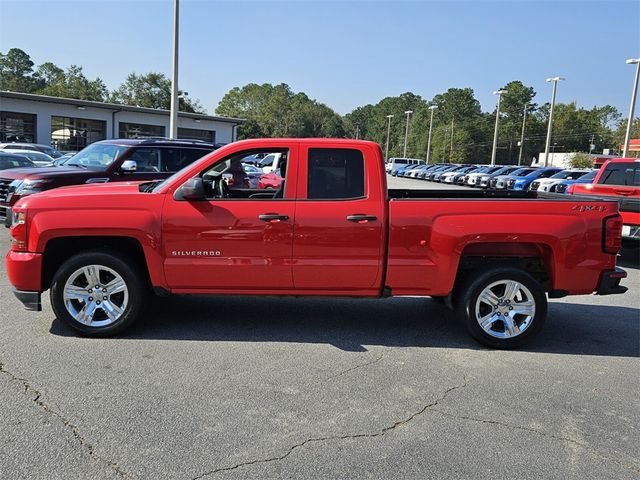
{"x":618,"y":179}
{"x":271,"y":180}
{"x":253,"y":175}
{"x":454,"y":177}
{"x":563,"y":185}
{"x":437,"y":177}
{"x":499,"y":182}
{"x":39,"y":158}
{"x":484,"y":181}
{"x":522,"y":182}
{"x":101,"y":162}
{"x":394,"y":163}
{"x":399,"y":170}
{"x":52,"y":152}
{"x":440,"y":169}
{"x":270,"y":163}
{"x":413,"y":171}
{"x":472,"y":178}
{"x":422,"y":175}
{"x":549,"y":184}
{"x":338,"y":230}
{"x":12,"y":160}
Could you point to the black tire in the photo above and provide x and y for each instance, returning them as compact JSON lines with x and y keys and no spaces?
{"x":466,"y":297}
{"x":136,"y":290}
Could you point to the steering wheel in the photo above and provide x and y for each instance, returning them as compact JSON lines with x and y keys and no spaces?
{"x":221,"y":188}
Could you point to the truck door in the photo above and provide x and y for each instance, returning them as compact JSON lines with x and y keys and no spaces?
{"x":339,"y":232}
{"x":238,"y":238}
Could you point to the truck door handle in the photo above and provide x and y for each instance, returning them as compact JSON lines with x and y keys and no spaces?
{"x":360,"y":218}
{"x":273,"y":217}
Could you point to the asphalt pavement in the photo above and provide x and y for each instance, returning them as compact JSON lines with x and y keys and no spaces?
{"x":265,"y":387}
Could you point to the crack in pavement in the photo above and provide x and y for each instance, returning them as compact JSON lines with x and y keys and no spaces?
{"x":379,"y":433}
{"x":542,"y":433}
{"x":28,"y":389}
{"x":355,"y":367}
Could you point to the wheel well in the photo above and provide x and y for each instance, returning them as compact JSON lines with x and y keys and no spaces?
{"x":535,"y":266}
{"x":59,"y":250}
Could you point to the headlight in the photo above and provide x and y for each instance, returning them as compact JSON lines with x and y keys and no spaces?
{"x":28,"y":186}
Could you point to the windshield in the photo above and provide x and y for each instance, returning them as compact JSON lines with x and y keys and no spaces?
{"x":99,"y":155}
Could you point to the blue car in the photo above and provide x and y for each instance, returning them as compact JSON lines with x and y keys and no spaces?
{"x":522,"y":182}
{"x":563,"y":186}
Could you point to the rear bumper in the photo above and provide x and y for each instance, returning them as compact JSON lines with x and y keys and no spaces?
{"x":30,"y":300}
{"x":609,"y":283}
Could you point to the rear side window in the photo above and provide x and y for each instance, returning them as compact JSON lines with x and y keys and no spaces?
{"x":335,"y":173}
{"x":622,"y":174}
{"x":174,"y":159}
{"x":147,"y":159}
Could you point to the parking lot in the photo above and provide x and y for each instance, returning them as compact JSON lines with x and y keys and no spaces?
{"x":265,"y":387}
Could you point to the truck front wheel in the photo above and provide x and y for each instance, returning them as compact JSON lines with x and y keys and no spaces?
{"x":502,"y":307}
{"x":97,"y":293}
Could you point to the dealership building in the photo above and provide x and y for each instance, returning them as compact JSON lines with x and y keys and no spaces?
{"x":70,"y":125}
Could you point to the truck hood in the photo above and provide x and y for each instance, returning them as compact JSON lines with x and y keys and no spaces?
{"x":45,"y":172}
{"x":116,"y":188}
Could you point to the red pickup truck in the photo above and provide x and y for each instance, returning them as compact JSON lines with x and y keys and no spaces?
{"x":619,"y":180}
{"x":332,"y":228}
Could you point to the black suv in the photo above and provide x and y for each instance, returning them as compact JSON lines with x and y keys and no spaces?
{"x":106,"y":161}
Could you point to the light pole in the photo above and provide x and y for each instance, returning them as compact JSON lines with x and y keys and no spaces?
{"x":524,"y":120}
{"x":173,"y":119}
{"x":388,"y":132}
{"x":555,"y":81}
{"x":634,"y":93}
{"x":499,"y":93}
{"x":406,"y":132}
{"x":432,"y":108}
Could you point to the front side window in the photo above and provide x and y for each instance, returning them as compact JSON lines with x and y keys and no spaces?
{"x":235,"y":178}
{"x":335,"y":173}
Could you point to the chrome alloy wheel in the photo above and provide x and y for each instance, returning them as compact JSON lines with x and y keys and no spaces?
{"x":95,"y":295}
{"x":505,"y":309}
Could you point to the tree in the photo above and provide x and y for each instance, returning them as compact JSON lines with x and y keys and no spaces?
{"x":74,"y":84}
{"x":16,"y":69}
{"x":581,"y":160}
{"x":276,"y":111}
{"x":151,"y":90}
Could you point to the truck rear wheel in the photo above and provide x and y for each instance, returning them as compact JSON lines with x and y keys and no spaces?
{"x":97,"y":293}
{"x":502,"y":307}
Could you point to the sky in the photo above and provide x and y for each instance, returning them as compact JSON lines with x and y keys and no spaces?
{"x":343,"y":54}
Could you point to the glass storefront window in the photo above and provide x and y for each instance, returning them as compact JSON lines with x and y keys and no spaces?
{"x":73,"y":134}
{"x":195,"y":134}
{"x":139,"y":130}
{"x":17,"y":127}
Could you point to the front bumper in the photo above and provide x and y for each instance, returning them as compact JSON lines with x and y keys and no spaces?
{"x":24,"y":270}
{"x":30,"y":300}
{"x":609,"y":283}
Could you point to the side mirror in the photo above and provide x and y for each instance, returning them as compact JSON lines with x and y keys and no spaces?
{"x":129,"y":166}
{"x":192,"y":189}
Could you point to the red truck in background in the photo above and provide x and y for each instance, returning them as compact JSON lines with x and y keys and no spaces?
{"x":332,"y":228}
{"x":619,"y":180}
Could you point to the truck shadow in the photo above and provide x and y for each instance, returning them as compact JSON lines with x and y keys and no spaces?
{"x":354,"y":324}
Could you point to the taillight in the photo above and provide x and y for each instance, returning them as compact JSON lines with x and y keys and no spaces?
{"x":18,"y":230}
{"x":612,"y":234}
